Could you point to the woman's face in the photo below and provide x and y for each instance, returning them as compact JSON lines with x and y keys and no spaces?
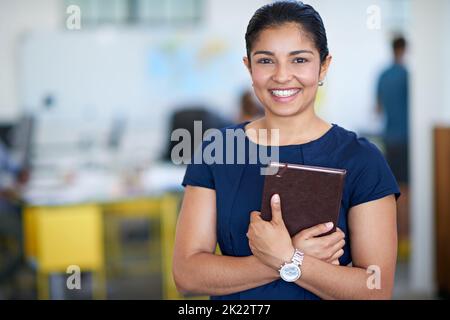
{"x":285,"y":69}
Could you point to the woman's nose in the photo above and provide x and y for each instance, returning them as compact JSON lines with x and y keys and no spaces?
{"x":282,"y":74}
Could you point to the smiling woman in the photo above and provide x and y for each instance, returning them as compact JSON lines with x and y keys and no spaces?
{"x":287,"y":58}
{"x":285,"y":78}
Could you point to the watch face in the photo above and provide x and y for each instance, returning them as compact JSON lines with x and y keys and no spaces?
{"x":290,"y":272}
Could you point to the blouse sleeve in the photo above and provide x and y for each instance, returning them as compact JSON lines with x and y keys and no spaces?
{"x":199,"y":174}
{"x":373,"y":179}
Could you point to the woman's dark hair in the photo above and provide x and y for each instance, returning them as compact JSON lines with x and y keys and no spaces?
{"x":281,"y":12}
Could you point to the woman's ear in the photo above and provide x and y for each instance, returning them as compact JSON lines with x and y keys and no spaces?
{"x":247,"y":64}
{"x":324,"y":67}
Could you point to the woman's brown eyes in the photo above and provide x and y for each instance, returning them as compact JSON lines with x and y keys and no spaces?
{"x":296,"y":60}
{"x":300,"y":60}
{"x":264,"y":61}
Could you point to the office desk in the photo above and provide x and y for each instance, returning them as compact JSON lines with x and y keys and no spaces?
{"x":57,"y":237}
{"x":65,"y":233}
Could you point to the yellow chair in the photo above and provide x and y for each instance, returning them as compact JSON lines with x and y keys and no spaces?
{"x":169,"y":214}
{"x":60,"y":236}
{"x":163,"y":209}
{"x":114,"y":214}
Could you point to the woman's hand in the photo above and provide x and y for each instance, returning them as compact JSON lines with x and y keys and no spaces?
{"x":327,"y":248}
{"x":269,"y":240}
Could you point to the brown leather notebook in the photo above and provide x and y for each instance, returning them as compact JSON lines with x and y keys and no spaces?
{"x":309,"y":195}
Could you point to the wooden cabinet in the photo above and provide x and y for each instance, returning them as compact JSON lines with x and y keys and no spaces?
{"x":442,"y":207}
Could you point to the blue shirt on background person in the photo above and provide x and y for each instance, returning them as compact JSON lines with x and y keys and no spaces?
{"x":392,"y":92}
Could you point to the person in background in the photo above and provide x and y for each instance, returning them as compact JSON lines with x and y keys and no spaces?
{"x":392,"y":102}
{"x":250,"y":109}
{"x":10,"y":174}
{"x":12,"y":178}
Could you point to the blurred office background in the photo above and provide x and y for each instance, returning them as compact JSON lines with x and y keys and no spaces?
{"x":91,"y":89}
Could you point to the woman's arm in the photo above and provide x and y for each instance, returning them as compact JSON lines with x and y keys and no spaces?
{"x":373,"y":234}
{"x":196,"y":269}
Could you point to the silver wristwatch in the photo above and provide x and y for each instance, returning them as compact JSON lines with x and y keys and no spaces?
{"x":290,"y":271}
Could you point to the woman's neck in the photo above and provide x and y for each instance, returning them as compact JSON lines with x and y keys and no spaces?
{"x":298,"y":129}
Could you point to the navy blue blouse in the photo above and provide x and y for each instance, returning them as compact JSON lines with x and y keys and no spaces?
{"x":239,"y":191}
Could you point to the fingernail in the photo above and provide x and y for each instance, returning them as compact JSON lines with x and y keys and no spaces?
{"x":276,"y":198}
{"x":329,"y":225}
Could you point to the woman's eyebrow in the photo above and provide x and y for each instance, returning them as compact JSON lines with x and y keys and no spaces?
{"x":269,"y":53}
{"x":292,"y":53}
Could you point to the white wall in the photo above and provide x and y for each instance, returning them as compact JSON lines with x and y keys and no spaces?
{"x":347,"y":98}
{"x":446,"y":47}
{"x":16,"y":18}
{"x":429,"y":95}
{"x":231,"y":15}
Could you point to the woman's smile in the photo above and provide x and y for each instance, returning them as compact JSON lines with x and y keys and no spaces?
{"x":285,"y":95}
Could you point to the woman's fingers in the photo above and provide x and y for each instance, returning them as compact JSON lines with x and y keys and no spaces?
{"x":326,"y":248}
{"x":331,"y":239}
{"x":330,"y":245}
{"x":255,"y":216}
{"x":276,"y":209}
{"x":337,"y":255}
{"x":337,"y":245}
{"x":335,"y":251}
{"x":316,"y":230}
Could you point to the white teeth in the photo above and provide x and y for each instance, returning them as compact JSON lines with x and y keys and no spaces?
{"x":284,"y":93}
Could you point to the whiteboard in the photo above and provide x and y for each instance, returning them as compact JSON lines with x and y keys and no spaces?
{"x":94,"y":77}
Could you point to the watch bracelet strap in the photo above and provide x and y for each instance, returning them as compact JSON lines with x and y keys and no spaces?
{"x":298,"y":257}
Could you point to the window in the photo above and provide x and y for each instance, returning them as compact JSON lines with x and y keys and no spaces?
{"x":140,"y":12}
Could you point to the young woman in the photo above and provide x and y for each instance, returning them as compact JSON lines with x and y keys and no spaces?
{"x":288,"y":58}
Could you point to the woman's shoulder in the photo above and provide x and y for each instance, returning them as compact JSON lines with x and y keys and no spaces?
{"x":355,"y":147}
{"x":223,"y":131}
{"x":368,"y":174}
